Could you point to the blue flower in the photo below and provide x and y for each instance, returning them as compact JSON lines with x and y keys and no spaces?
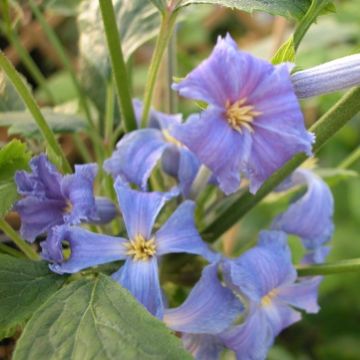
{"x":253,"y":124}
{"x":51,"y":199}
{"x":138,"y":152}
{"x":310,"y":216}
{"x":141,"y":250}
{"x":266,"y":279}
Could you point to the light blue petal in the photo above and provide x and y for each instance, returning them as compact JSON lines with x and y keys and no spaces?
{"x":140,"y":209}
{"x":106,"y":210}
{"x":309,"y":217}
{"x":179,"y":234}
{"x":261,"y":269}
{"x":136,"y":155}
{"x":203,"y":347}
{"x":141,"y":278}
{"x":316,"y":256}
{"x":87,"y":249}
{"x":209,"y":309}
{"x":189,"y":165}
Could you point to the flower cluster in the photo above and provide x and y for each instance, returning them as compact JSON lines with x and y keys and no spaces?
{"x":251,"y":127}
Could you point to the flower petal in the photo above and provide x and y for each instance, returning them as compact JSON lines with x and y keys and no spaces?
{"x":310,"y":217}
{"x":87,"y":249}
{"x":209,"y":309}
{"x":140,"y":209}
{"x":136,"y":155}
{"x":203,"y":347}
{"x":38,"y":215}
{"x":272,"y":260}
{"x":179,"y":234}
{"x":78,"y":188}
{"x":316,"y":256}
{"x":189,"y":165}
{"x":141,"y":278}
{"x":105,"y":210}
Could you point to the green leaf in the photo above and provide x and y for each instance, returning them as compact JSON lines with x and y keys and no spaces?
{"x":285,"y":53}
{"x":24,"y":286}
{"x":13,"y":156}
{"x":333,"y":176}
{"x":22,"y":122}
{"x":96,"y":319}
{"x":63,"y":7}
{"x":9,"y":98}
{"x":160,"y":4}
{"x":138,"y":22}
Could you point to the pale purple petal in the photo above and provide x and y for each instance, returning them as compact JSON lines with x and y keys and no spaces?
{"x":141,"y":278}
{"x":87,"y":249}
{"x":203,"y":347}
{"x":38,"y":216}
{"x":310,"y":217}
{"x":316,"y":256}
{"x":140,"y":209}
{"x":179,"y":234}
{"x":189,"y":165}
{"x":209,"y":309}
{"x":262,"y":268}
{"x":170,"y":160}
{"x":78,"y":189}
{"x":106,"y":210}
{"x":136,"y":155}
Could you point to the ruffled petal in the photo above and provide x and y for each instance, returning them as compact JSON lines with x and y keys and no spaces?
{"x":226,"y":76}
{"x":78,"y":188}
{"x":209,"y":309}
{"x":136,"y":155}
{"x":140,"y":209}
{"x":217,"y":145}
{"x":203,"y":347}
{"x":179,"y":234}
{"x":261,"y":269}
{"x":42,"y":182}
{"x":141,"y":278}
{"x":87,"y":249}
{"x":39,"y":215}
{"x":309,"y":217}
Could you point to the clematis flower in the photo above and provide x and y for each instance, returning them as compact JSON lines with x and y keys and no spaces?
{"x":51,"y":199}
{"x":138,"y":152}
{"x":310,"y":216}
{"x":141,"y":250}
{"x":266,"y":279}
{"x":253,"y":124}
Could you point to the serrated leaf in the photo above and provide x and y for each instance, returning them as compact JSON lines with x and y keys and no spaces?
{"x":24,"y":286}
{"x":285,"y":53}
{"x":138,"y":22}
{"x":96,"y":319}
{"x":22,"y":123}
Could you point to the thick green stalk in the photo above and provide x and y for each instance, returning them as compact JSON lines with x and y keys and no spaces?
{"x":5,"y":249}
{"x":20,"y":243}
{"x":336,"y":267}
{"x":166,"y":31}
{"x":31,"y":104}
{"x":118,"y":64}
{"x":109,"y":116}
{"x":332,"y":121}
{"x":351,"y":159}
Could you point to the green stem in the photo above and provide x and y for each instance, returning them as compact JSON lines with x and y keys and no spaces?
{"x":20,"y":243}
{"x":118,"y":64}
{"x":5,"y":249}
{"x":81,"y":147}
{"x":201,"y":180}
{"x":166,"y":29}
{"x":332,"y":121}
{"x":109,"y":116}
{"x":172,"y":65}
{"x":351,"y":159}
{"x":337,"y":267}
{"x":31,"y":104}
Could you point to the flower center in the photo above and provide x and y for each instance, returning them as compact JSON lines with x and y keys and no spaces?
{"x":68,"y":207}
{"x":170,"y":138}
{"x":141,"y":249}
{"x":267,"y":299}
{"x":240,"y":115}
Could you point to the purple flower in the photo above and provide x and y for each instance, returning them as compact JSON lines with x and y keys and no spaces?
{"x":266,"y":279}
{"x":253,"y":124}
{"x":310,"y":216}
{"x":51,"y":199}
{"x":141,"y":250}
{"x":138,"y":152}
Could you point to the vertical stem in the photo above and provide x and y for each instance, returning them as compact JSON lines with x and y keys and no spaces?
{"x":200,"y":181}
{"x":118,"y":64}
{"x":166,"y":30}
{"x":109,"y":116}
{"x":20,"y":243}
{"x":172,"y":65}
{"x":351,"y":159}
{"x":31,"y":104}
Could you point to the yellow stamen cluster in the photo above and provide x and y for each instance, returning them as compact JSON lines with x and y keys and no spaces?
{"x":68,"y":208}
{"x":267,"y":299}
{"x":141,"y":249}
{"x":170,"y":138}
{"x":240,"y":116}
